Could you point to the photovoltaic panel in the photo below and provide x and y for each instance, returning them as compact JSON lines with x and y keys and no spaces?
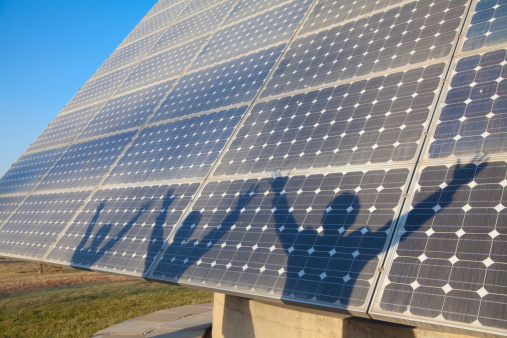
{"x":308,"y":164}
{"x":128,"y":54}
{"x":64,"y":128}
{"x":127,"y":111}
{"x":28,"y":170}
{"x":488,"y":25}
{"x":84,"y":164}
{"x":314,"y":238}
{"x":36,"y":224}
{"x":181,"y":149}
{"x":160,"y":67}
{"x":449,"y":264}
{"x":378,"y":120}
{"x":419,"y":31}
{"x":232,"y":82}
{"x":98,"y":89}
{"x":123,"y":229}
{"x":260,"y":31}
{"x":193,"y":27}
{"x":154,"y":23}
{"x":326,"y":13}
{"x":246,"y":8}
{"x":473,"y":118}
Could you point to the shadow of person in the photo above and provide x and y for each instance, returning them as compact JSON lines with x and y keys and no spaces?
{"x":182,"y":244}
{"x":87,"y":256}
{"x":157,"y":234}
{"x":336,"y":262}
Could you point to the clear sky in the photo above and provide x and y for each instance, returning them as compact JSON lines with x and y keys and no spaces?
{"x":48,"y":50}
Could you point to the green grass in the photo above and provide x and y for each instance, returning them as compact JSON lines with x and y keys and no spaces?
{"x":81,"y":311}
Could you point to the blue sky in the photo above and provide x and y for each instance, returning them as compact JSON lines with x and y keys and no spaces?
{"x":49,"y":49}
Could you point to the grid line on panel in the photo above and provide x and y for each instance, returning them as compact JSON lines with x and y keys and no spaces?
{"x":161,"y":3}
{"x":264,"y":7}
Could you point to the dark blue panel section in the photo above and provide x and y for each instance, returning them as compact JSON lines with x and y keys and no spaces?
{"x":416,"y":32}
{"x":38,"y":222}
{"x":64,"y":128}
{"x":123,"y":229}
{"x":451,"y":258}
{"x":326,"y":13}
{"x":488,"y":26}
{"x":313,"y":238}
{"x":28,"y":170}
{"x":225,"y":84}
{"x":127,"y":111}
{"x":181,"y":149}
{"x":273,"y":27}
{"x":197,"y":25}
{"x":371,"y":121}
{"x":162,"y":66}
{"x":474,"y":116}
{"x":84,"y":164}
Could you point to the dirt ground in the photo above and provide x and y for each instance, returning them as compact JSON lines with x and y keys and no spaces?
{"x":21,"y":276}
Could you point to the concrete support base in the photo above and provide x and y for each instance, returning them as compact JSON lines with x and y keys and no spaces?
{"x":240,"y":317}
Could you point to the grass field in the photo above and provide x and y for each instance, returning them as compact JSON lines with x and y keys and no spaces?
{"x":78,"y":310}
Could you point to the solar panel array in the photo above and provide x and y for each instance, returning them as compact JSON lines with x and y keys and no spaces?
{"x":344,"y":155}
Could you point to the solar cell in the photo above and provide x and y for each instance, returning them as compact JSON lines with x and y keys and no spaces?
{"x":98,"y":89}
{"x":260,"y":31}
{"x":161,"y":5}
{"x":416,"y":32}
{"x":28,"y":170}
{"x":181,"y":149}
{"x":378,"y":120}
{"x":326,"y":13}
{"x":314,"y":238}
{"x":161,"y":67}
{"x":246,"y":8}
{"x":154,"y":23}
{"x":449,"y":263}
{"x":128,"y":54}
{"x":488,"y":26}
{"x":193,"y":27}
{"x":195,"y":6}
{"x":64,"y":128}
{"x":127,"y":111}
{"x":229,"y":83}
{"x":123,"y":229}
{"x":84,"y":164}
{"x":473,"y":118}
{"x":7,"y":205}
{"x":37,"y":223}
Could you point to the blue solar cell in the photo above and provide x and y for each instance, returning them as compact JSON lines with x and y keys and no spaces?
{"x":127,"y":111}
{"x":233,"y":82}
{"x":449,"y":264}
{"x":34,"y":227}
{"x":7,"y":205}
{"x":123,"y":229}
{"x":273,"y":27}
{"x":64,"y":128}
{"x":246,"y":8}
{"x":488,"y":26}
{"x":182,"y":149}
{"x":473,"y":118}
{"x":28,"y":170}
{"x":85,"y":164}
{"x":413,"y":33}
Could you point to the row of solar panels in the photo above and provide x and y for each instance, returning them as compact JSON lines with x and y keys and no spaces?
{"x":345,"y":155}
